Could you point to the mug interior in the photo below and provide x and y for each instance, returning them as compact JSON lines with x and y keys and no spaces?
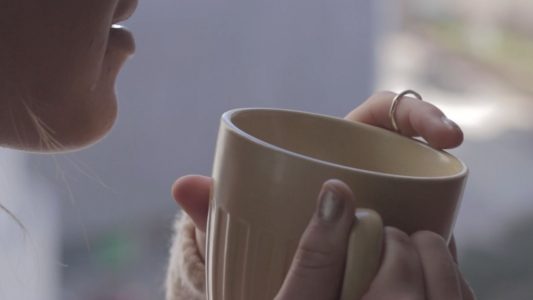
{"x":340,"y":142}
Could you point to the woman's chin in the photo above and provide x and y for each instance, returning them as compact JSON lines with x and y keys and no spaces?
{"x":80,"y":137}
{"x":62,"y":122}
{"x":60,"y":144}
{"x":75,"y":144}
{"x":66,"y":136}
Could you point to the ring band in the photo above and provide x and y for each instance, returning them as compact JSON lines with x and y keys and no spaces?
{"x":396,"y":102}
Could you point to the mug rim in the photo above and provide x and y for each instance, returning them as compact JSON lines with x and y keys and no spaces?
{"x":227,"y":118}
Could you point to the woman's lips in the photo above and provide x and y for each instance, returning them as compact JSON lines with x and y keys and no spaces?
{"x":121,"y":38}
{"x":124,"y":10}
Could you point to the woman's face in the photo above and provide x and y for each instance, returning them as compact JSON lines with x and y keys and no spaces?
{"x":58,"y":64}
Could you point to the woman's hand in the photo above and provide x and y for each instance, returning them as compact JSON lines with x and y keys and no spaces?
{"x":416,"y":267}
{"x":403,"y":255}
{"x":317,"y":268}
{"x":419,"y":266}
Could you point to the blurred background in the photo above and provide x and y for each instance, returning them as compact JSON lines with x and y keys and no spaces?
{"x":99,"y":221}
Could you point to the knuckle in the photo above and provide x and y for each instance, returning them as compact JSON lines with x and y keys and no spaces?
{"x":428,"y":239}
{"x":408,"y":295}
{"x":397,"y":294}
{"x":383,"y":95}
{"x":312,"y":258}
{"x":431,"y":110}
{"x":397,"y":236}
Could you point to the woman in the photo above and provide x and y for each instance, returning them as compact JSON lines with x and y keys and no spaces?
{"x":58,"y":64}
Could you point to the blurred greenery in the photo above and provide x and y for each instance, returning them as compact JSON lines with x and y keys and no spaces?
{"x":116,"y":250}
{"x":509,"y":53}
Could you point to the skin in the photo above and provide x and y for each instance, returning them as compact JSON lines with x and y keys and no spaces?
{"x":58,"y":63}
{"x":420,"y":266}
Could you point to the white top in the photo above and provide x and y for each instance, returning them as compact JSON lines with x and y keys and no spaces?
{"x":29,"y":261}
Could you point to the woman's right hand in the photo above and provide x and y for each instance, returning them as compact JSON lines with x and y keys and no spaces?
{"x":413,"y":267}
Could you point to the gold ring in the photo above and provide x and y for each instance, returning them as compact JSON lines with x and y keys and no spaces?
{"x":396,"y":102}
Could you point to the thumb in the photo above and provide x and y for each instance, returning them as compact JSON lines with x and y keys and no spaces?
{"x":192,"y":193}
{"x":317,"y":268}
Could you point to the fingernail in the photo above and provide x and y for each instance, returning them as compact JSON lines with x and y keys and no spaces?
{"x":449,"y":123}
{"x":331,"y":205}
{"x":361,"y":213}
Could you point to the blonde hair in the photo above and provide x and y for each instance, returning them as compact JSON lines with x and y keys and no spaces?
{"x":13,"y":217}
{"x":44,"y":132}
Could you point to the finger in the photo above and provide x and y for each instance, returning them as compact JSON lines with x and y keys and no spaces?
{"x":468,"y":293}
{"x":317,"y":268}
{"x":414,"y":118}
{"x":400,"y":275}
{"x":441,"y":276}
{"x":453,"y":249}
{"x":192,"y":194}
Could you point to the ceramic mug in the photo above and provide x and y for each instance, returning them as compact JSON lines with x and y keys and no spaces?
{"x":269,"y":167}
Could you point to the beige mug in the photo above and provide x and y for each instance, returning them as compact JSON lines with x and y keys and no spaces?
{"x":269,"y":167}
